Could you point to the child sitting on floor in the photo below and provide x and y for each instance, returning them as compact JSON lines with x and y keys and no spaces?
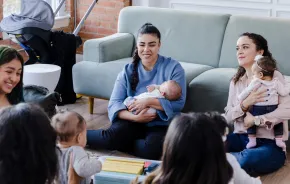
{"x":71,"y":129}
{"x":263,"y":71}
{"x":169,"y":89}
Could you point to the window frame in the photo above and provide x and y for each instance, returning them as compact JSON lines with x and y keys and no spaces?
{"x":62,"y":18}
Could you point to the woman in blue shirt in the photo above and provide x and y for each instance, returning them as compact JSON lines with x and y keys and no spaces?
{"x":141,"y":133}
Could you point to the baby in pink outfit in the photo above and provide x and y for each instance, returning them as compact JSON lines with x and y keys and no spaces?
{"x":263,"y":71}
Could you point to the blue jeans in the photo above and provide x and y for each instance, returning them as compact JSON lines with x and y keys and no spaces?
{"x":126,"y":136}
{"x":265,"y":158}
{"x":257,"y":110}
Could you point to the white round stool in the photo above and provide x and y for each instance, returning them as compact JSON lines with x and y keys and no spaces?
{"x":45,"y":75}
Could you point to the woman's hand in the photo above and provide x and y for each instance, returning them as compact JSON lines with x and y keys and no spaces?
{"x":249,"y":120}
{"x":73,"y":177}
{"x":269,"y":125}
{"x":144,"y":117}
{"x":138,"y":105}
{"x":254,"y":97}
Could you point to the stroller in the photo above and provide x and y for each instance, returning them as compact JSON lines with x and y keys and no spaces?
{"x":31,"y":29}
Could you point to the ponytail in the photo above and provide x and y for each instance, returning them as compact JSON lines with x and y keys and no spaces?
{"x":134,"y":76}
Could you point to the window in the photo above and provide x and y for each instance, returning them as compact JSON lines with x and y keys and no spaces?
{"x":61,"y":19}
{"x":54,"y":4}
{"x":11,"y":6}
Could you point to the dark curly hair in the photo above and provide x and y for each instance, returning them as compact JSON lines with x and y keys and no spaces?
{"x":147,"y":28}
{"x":28,"y":146}
{"x":261,"y":44}
{"x":7,"y":54}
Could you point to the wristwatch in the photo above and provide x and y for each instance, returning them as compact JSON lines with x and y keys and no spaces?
{"x":257,"y":121}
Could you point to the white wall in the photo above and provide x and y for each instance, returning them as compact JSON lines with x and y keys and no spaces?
{"x":268,"y":8}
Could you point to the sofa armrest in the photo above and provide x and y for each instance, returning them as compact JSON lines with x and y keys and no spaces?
{"x":109,"y":48}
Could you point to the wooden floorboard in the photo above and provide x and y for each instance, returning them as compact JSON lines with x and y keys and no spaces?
{"x":99,"y":120}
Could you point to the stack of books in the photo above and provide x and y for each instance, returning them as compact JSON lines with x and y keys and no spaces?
{"x":123,"y":166}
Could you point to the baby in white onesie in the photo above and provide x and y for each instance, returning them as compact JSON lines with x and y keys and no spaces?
{"x":263,"y":71}
{"x":170,"y":90}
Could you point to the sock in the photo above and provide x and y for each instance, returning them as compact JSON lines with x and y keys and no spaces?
{"x":252,"y":142}
{"x":280,"y":143}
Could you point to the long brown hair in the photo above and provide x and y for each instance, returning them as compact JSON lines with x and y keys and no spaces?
{"x":261,"y":44}
{"x":192,"y":149}
{"x":147,"y":28}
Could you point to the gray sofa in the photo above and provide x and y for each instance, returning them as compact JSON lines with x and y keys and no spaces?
{"x":203,"y":43}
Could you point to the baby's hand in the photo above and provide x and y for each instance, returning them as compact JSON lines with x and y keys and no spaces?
{"x":269,"y":125}
{"x":150,"y":88}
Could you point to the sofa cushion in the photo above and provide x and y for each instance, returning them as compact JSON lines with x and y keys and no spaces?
{"x":97,"y":79}
{"x":275,"y":30}
{"x":192,"y":70}
{"x":287,"y":79}
{"x":103,"y":76}
{"x":209,"y":90}
{"x":185,"y":35}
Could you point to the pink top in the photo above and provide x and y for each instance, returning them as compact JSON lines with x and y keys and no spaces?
{"x":233,"y":110}
{"x":275,"y":88}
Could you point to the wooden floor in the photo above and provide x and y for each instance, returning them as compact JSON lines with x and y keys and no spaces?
{"x":99,"y":120}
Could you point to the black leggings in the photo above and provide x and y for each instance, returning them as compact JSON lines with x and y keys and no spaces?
{"x":134,"y":138}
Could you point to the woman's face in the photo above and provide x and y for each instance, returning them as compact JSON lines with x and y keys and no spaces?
{"x":246,"y":52}
{"x":148,"y":47}
{"x":10,"y":74}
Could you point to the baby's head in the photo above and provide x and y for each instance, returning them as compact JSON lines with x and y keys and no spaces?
{"x":71,"y":128}
{"x":263,"y":67}
{"x":170,"y":90}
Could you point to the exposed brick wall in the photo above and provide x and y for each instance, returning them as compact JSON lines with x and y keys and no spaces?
{"x":103,"y":19}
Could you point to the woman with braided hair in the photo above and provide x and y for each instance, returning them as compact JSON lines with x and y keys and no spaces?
{"x":141,"y":133}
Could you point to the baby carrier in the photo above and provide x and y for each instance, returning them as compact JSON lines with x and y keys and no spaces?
{"x":31,"y":29}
